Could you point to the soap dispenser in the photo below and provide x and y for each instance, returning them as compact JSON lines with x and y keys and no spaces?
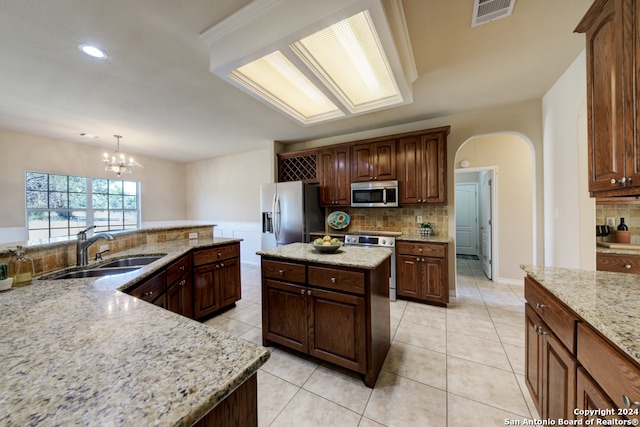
{"x":21,"y":268}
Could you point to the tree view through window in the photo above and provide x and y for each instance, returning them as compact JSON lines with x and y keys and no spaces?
{"x":63,"y":205}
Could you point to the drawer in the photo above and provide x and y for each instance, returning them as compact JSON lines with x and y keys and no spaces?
{"x":559,"y":319}
{"x":616,"y":374}
{"x":618,"y":263}
{"x":152,"y":288}
{"x":219,"y":253}
{"x":177,"y":269}
{"x":433,"y":250}
{"x":280,"y":270}
{"x":340,"y":280}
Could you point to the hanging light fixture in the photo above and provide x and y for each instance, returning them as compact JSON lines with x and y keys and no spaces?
{"x":117,"y":161}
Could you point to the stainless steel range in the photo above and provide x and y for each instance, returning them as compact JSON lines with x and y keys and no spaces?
{"x":378,"y":239}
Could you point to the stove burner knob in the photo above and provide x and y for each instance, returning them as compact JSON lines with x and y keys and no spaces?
{"x":384,"y":242}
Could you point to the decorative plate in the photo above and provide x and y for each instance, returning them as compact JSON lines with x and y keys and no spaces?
{"x":338,"y":220}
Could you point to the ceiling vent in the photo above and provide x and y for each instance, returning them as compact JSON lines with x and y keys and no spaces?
{"x":489,"y":10}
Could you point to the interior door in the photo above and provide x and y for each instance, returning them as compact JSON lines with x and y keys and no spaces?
{"x":467,"y":218}
{"x":486,"y":223}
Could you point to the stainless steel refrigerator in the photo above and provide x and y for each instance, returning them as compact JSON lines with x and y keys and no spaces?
{"x":290,"y":211}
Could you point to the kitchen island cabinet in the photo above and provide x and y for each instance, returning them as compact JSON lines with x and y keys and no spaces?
{"x":582,"y":343}
{"x":334,"y":307}
{"x":80,"y":351}
{"x":216,"y":279}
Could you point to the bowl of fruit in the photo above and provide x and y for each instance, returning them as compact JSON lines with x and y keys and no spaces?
{"x":326,"y":244}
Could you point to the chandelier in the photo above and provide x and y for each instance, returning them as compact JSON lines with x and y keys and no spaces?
{"x":117,"y":162}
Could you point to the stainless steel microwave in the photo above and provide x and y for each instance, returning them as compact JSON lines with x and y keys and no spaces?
{"x":374,"y":194}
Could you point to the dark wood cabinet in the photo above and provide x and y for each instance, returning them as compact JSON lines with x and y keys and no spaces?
{"x":590,"y":399}
{"x":180,"y":287}
{"x":340,"y":315}
{"x":612,"y":46}
{"x":618,"y":263}
{"x":422,"y":167}
{"x":335,"y":176}
{"x":152,"y":289}
{"x":375,"y":161}
{"x":422,"y":272}
{"x":216,"y":279}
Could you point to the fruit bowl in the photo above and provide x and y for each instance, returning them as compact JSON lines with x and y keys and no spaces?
{"x":327,"y":249}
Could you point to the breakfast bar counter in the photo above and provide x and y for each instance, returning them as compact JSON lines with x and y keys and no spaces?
{"x":81,"y":352}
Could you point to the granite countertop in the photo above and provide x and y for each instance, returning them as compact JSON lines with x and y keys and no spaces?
{"x":82,"y":352}
{"x":346,"y":256}
{"x":419,"y":238}
{"x":602,"y":250}
{"x":607,"y":301}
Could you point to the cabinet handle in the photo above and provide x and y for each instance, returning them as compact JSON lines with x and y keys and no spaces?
{"x":619,"y":181}
{"x":418,"y":259}
{"x":628,"y":403}
{"x":627,"y":266}
{"x":281,"y":272}
{"x":419,"y":249}
{"x":539,"y":330}
{"x":148,"y":294}
{"x":540,"y":306}
{"x":422,"y":260}
{"x":182,"y":282}
{"x":301,"y":291}
{"x":217,"y":265}
{"x":222,"y":265}
{"x":219,"y":254}
{"x":333,"y":280}
{"x":309,"y":292}
{"x":181,"y":268}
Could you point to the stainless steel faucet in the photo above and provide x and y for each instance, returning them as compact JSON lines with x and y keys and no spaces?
{"x":82,"y":244}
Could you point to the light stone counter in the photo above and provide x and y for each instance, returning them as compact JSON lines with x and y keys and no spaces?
{"x":346,"y":256}
{"x":607,"y":301}
{"x":80,"y":352}
{"x":418,"y":238}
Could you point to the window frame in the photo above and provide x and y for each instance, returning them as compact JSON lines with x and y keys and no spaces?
{"x":90,"y":211}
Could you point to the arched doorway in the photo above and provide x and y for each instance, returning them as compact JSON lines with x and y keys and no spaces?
{"x":502,"y":164}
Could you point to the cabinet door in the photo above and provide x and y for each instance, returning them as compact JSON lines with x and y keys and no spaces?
{"x":533,"y":356}
{"x":206,"y":294}
{"x":284,"y":314}
{"x":180,"y":296}
{"x":229,"y":282}
{"x":361,"y":163}
{"x":434,"y":161}
{"x":335,"y":178}
{"x":410,"y":170}
{"x":384,"y":160}
{"x":408,"y":276}
{"x":607,"y":125}
{"x":435,"y":286}
{"x":589,"y":397}
{"x":337,"y":331}
{"x":558,"y":379}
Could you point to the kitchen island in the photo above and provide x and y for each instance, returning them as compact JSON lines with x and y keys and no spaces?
{"x":332,"y":306}
{"x":583,"y":342}
{"x":80,"y":351}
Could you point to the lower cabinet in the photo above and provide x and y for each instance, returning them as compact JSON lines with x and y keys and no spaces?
{"x":570,"y":368}
{"x":153,"y":289}
{"x":618,"y":263}
{"x":422,"y":272}
{"x":216,"y":279}
{"x":335,"y":314}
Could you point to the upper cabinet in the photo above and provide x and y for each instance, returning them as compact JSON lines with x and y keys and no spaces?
{"x":612,"y":35}
{"x":375,"y":161}
{"x":335,"y":185}
{"x":422,"y":167}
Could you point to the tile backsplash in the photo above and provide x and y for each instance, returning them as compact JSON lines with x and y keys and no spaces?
{"x":402,"y":219}
{"x":630,"y":213}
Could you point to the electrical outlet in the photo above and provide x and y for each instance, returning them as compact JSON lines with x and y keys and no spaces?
{"x":611,"y":221}
{"x":103,"y":248}
{"x":420,"y":218}
{"x":193,"y":235}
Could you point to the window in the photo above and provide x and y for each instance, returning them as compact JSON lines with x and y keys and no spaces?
{"x":63,"y":205}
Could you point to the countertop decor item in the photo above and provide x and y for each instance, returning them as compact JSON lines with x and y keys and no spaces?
{"x":338,"y":220}
{"x":5,"y":284}
{"x":21,"y":268}
{"x":327,"y":249}
{"x":425,"y":229}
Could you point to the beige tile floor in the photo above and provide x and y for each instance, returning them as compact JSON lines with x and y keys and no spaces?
{"x":459,"y":366}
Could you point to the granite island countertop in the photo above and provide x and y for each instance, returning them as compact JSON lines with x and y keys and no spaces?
{"x":607,"y":301}
{"x":80,"y":352}
{"x":346,"y":256}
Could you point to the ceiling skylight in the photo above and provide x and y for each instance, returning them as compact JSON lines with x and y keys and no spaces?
{"x":320,"y":63}
{"x":349,"y":59}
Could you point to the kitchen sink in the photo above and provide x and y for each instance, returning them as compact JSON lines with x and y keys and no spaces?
{"x":132,"y":261}
{"x":95,"y":272}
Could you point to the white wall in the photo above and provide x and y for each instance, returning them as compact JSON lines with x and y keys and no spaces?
{"x":569,"y":217}
{"x":226,"y":191}
{"x":513,"y":159}
{"x":162,"y":182}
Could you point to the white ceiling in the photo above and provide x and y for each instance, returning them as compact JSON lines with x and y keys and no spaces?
{"x":156,"y":90}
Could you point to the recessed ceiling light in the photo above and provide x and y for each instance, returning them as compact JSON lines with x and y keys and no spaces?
{"x":88,"y":135}
{"x":93,"y":51}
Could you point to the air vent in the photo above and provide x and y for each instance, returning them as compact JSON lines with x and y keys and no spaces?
{"x":489,"y":10}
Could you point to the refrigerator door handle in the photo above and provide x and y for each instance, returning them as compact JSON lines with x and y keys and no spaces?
{"x":276,"y":216}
